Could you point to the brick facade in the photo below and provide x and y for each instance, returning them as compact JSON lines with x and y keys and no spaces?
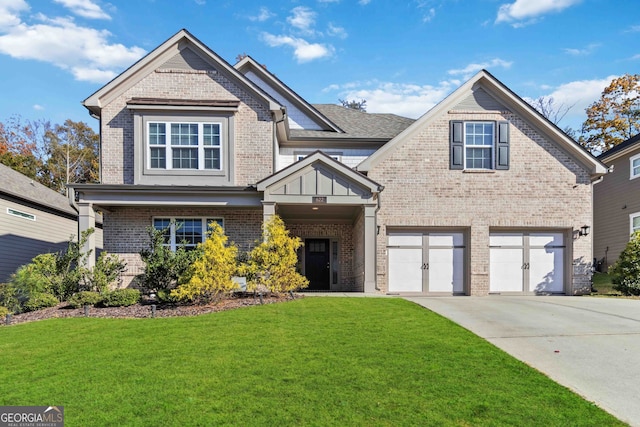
{"x":544,"y":188}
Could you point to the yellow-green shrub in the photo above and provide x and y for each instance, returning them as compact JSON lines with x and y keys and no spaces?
{"x":211,"y":273}
{"x":272,"y":263}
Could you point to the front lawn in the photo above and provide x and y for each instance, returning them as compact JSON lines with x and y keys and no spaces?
{"x":602,"y":285}
{"x":314,"y":361}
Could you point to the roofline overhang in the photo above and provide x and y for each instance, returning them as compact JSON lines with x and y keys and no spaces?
{"x":107,"y":195}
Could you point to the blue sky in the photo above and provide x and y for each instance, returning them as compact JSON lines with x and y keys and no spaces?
{"x":401,"y":56}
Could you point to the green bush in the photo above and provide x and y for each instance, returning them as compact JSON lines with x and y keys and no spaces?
{"x":625,"y":272}
{"x":3,"y":312}
{"x":106,"y":272}
{"x":40,"y":300}
{"x":11,"y":297}
{"x":120,"y":298}
{"x":163,"y":267}
{"x":85,"y":298}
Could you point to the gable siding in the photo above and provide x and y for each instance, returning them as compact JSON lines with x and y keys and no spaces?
{"x":544,"y":188}
{"x":22,"y":239}
{"x":480,"y":100}
{"x":253,"y":140}
{"x":615,"y":198}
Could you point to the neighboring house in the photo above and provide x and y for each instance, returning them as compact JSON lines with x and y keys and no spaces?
{"x":34,"y":219}
{"x":480,"y":195}
{"x":616,"y":213}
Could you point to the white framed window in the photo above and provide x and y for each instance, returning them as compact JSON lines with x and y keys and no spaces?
{"x":21,"y":214}
{"x":185,"y":231}
{"x":634,"y":223}
{"x":334,"y":155}
{"x":184,"y":145}
{"x":634,"y":166}
{"x":479,"y":140}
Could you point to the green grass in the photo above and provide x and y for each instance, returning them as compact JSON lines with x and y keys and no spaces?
{"x":315,"y":361}
{"x":602,"y":285}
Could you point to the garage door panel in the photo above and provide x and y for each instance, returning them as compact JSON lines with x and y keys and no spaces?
{"x":546,"y":270}
{"x":445,"y":270}
{"x":405,"y":270}
{"x":505,"y":270}
{"x":546,"y":239}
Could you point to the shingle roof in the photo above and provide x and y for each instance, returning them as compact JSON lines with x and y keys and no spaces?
{"x":356,"y":124}
{"x":23,"y":187}
{"x":622,"y":146}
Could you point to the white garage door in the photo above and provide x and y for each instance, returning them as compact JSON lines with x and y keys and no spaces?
{"x":527,"y":262}
{"x":426,"y":262}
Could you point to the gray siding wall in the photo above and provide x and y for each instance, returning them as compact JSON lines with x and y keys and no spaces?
{"x":22,"y":239}
{"x":615,"y":199}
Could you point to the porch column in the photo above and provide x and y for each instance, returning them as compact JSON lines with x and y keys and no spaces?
{"x":268,"y":210}
{"x":370,"y":249}
{"x":87,"y":220}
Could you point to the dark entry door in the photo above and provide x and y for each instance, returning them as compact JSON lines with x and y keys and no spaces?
{"x":316,"y":262}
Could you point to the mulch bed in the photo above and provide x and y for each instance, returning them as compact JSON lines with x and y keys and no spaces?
{"x":145,"y":310}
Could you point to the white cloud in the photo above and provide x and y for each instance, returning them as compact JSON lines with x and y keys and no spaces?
{"x":584,"y":51}
{"x":303,"y":19}
{"x":522,"y":12}
{"x":302,"y":49}
{"x":364,"y":2}
{"x":84,"y":8}
{"x":38,"y":107}
{"x":10,"y":12}
{"x":407,"y":100}
{"x":264,"y":15}
{"x":427,"y":17}
{"x":336,"y":31}
{"x":85,"y":52}
{"x":473,"y":68}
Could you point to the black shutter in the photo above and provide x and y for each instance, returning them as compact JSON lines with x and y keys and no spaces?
{"x":456,"y":138}
{"x":502,"y":146}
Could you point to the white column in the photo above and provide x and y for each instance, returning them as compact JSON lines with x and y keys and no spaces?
{"x":87,"y":220}
{"x":370,"y":249}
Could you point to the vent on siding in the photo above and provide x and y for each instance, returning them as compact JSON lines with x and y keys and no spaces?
{"x":21,"y":214}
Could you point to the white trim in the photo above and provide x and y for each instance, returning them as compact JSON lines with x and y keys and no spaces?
{"x":491,"y":147}
{"x":20,"y":214}
{"x":631,"y":159}
{"x":631,"y":218}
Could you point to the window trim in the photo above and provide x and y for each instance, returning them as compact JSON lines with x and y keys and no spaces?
{"x":631,"y":159}
{"x":631,"y":218}
{"x":169,"y":147}
{"x":335,"y":155}
{"x":172,"y":227}
{"x":492,"y":147}
{"x":20,"y":214}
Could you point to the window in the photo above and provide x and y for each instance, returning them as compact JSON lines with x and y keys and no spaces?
{"x":187,"y":231}
{"x":479,"y":145}
{"x":333,"y":155}
{"x":634,"y":166}
{"x":21,"y":214}
{"x":193,"y":146}
{"x":634,"y":223}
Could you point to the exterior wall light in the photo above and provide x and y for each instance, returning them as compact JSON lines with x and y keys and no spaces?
{"x":584,"y":230}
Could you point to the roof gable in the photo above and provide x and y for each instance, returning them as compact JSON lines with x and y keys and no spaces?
{"x":181,"y":51}
{"x":483,"y":91}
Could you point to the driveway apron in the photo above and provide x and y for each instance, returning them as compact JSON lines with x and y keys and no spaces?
{"x":590,"y":345}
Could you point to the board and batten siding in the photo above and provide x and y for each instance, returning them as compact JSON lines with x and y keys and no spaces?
{"x":615,"y":199}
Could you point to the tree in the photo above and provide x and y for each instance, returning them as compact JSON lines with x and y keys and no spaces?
{"x":272,"y":263}
{"x":625,"y":272}
{"x":354,"y":104}
{"x":72,"y":155}
{"x":211,"y":273}
{"x":21,"y":145}
{"x":615,"y":117}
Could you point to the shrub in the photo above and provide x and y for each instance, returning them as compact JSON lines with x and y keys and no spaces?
{"x":211,"y":273}
{"x":84,"y":298}
{"x":106,"y":272}
{"x":120,"y":298}
{"x":3,"y":312}
{"x":272,"y":263}
{"x":11,"y":297}
{"x":625,"y":272}
{"x":40,"y":300}
{"x":163,"y":267}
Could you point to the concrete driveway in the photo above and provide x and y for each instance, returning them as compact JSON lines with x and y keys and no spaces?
{"x":590,"y":345}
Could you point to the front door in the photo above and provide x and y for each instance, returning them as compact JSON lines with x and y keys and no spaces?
{"x":316,"y":264}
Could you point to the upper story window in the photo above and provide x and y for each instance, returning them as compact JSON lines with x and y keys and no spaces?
{"x":479,"y":145}
{"x":185,"y":231}
{"x":176,"y":145}
{"x":334,"y":155}
{"x":634,"y":166}
{"x":634,"y":223}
